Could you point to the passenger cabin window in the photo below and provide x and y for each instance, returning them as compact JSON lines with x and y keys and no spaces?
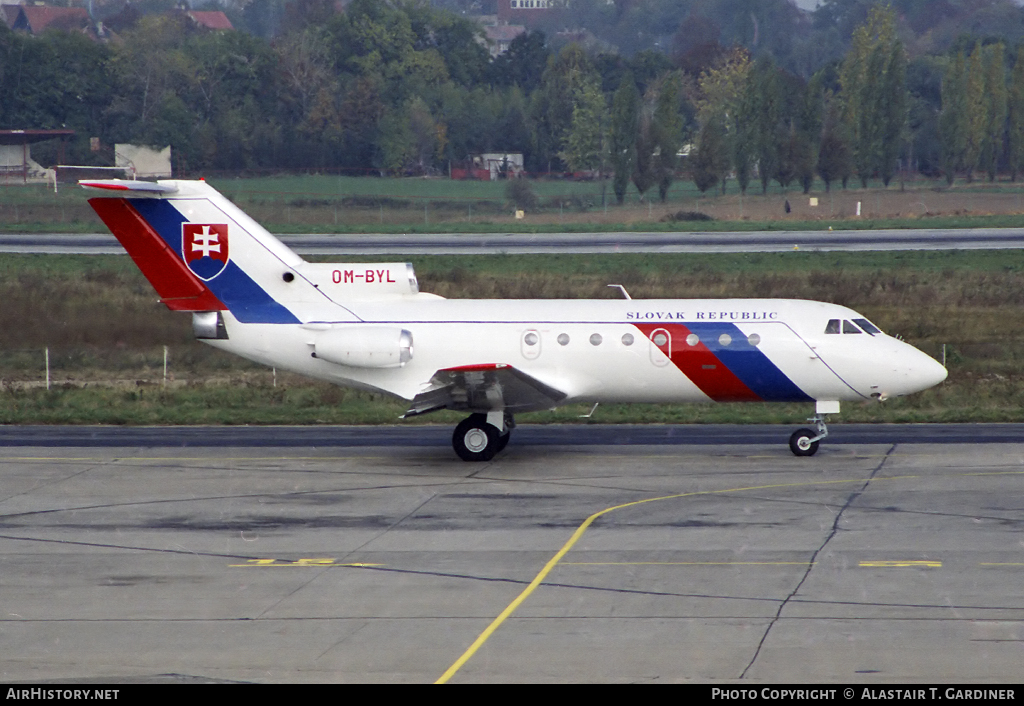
{"x":850,"y":328}
{"x":867,"y":326}
{"x":833,"y":326}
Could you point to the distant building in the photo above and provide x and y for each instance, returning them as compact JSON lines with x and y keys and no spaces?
{"x":9,"y":13}
{"x":142,"y":162}
{"x":35,"y":19}
{"x":491,"y":166}
{"x":499,"y":37}
{"x":503,"y":164}
{"x":209,"y":19}
{"x":530,"y":12}
{"x":16,"y":163}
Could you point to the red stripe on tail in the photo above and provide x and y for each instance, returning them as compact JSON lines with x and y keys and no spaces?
{"x":179,"y":289}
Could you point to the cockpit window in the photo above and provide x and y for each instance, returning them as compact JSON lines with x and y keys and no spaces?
{"x":867,"y":326}
{"x":850,"y":328}
{"x":833,"y":326}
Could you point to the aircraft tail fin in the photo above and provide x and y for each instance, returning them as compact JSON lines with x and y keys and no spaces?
{"x":177,"y":286}
{"x":201,"y":252}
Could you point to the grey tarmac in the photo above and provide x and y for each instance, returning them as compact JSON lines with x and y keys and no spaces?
{"x":739,"y":563}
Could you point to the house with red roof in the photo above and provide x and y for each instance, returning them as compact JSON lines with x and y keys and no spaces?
{"x":210,"y":19}
{"x":9,"y":13}
{"x":35,"y":19}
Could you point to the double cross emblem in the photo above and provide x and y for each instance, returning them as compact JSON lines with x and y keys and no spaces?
{"x":205,"y":248}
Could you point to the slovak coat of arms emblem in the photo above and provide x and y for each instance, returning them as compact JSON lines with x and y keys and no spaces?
{"x":205,"y":248}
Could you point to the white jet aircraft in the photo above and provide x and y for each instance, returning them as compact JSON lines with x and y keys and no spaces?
{"x":356,"y":324}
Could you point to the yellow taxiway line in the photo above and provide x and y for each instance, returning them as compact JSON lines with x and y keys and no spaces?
{"x":557,"y":558}
{"x":539,"y":578}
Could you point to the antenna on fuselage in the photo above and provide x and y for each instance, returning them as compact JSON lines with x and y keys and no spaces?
{"x":621,"y":289}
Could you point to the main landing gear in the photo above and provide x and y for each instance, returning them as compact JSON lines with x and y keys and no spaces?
{"x":479,"y":437}
{"x":804,"y":442}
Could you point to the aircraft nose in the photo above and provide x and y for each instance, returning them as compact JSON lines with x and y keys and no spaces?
{"x":934,"y":372}
{"x":922,"y":371}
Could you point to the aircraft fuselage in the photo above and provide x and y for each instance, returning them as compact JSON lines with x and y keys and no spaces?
{"x":690,"y":350}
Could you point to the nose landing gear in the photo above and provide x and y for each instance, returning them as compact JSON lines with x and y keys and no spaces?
{"x":804,"y":442}
{"x":478,"y":437}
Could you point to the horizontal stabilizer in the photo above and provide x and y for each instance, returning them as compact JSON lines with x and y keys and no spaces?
{"x":138,"y":187}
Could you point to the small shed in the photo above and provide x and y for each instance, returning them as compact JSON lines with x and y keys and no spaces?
{"x":143,"y":162}
{"x":16,"y":163}
{"x":502,"y":164}
{"x":490,"y":166}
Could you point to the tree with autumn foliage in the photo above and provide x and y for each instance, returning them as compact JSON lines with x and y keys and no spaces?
{"x":874,"y":95}
{"x":992,"y":146}
{"x":668,"y":127}
{"x":721,"y":115}
{"x":624,"y":124}
{"x":1015,"y":118}
{"x":585,"y":143}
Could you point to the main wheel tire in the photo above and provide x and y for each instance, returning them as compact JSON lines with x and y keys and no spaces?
{"x":475,"y":440}
{"x":800,"y":443}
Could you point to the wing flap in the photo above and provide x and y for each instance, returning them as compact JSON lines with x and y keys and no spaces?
{"x":482,"y":388}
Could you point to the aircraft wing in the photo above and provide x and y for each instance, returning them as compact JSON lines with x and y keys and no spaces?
{"x":480,"y":388}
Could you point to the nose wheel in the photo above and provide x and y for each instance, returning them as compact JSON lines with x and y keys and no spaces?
{"x":804,"y":442}
{"x":477,"y":438}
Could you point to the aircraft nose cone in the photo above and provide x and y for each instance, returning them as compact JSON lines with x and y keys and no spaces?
{"x":923,"y":371}
{"x":932,"y":373}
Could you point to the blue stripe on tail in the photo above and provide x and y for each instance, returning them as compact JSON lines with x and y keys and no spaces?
{"x":247,"y":301}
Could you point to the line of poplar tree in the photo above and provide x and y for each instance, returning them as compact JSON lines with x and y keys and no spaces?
{"x":757,"y":121}
{"x":854,"y":119}
{"x":982,"y":119}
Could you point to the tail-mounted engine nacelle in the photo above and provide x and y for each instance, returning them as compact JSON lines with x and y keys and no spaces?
{"x":364,"y":346}
{"x":209,"y":325}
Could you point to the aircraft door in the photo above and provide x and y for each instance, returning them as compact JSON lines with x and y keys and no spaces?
{"x":661,"y":347}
